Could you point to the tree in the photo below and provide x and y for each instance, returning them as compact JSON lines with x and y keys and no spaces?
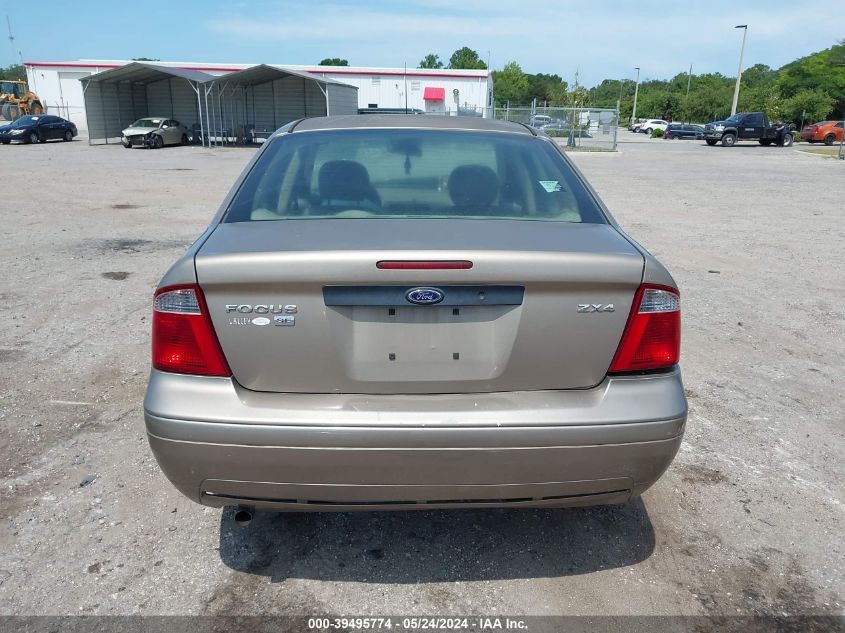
{"x":146,"y":59}
{"x":607,"y":92}
{"x":510,"y":85}
{"x":431,"y":61}
{"x":816,"y":105}
{"x":757,"y":76}
{"x":334,"y":61}
{"x":466,"y":58}
{"x":550,"y":89}
{"x":814,"y":84}
{"x":579,"y":96}
{"x":823,"y":71}
{"x":14,"y":72}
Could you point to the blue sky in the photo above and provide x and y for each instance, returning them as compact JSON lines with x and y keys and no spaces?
{"x":597,"y":38}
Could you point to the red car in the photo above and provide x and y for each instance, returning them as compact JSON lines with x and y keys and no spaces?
{"x":827,"y":132}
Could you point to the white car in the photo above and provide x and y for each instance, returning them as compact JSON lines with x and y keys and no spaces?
{"x":650,"y":125}
{"x":155,"y":132}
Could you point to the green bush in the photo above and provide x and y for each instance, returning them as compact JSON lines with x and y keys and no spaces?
{"x":657,"y":133}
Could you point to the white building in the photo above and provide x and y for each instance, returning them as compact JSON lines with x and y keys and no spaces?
{"x":439,"y":91}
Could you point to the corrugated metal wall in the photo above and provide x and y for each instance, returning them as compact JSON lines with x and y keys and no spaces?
{"x":184,"y":103}
{"x":290,"y":99}
{"x":271,"y":105}
{"x":315,"y":100}
{"x":158,"y":98}
{"x":342,"y":99}
{"x":112,"y":106}
{"x":388,"y":91}
{"x":173,"y":98}
{"x":262,"y":114}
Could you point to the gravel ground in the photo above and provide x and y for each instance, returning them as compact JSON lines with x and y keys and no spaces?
{"x":748,"y":520}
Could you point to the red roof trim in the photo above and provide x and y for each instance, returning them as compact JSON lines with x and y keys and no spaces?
{"x":92,"y":65}
{"x":71,"y":65}
{"x":221,"y":69}
{"x":394,"y":73}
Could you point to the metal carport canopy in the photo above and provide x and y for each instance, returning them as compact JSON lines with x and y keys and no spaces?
{"x":261,"y":93}
{"x":109,"y":111}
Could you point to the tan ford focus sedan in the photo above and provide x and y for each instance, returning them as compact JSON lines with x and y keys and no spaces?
{"x":393,"y":312}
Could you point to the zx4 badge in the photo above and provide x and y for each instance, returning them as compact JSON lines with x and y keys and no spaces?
{"x":596,"y":307}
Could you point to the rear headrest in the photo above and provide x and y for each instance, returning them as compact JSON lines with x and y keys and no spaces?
{"x":473,"y":187}
{"x":343,"y":180}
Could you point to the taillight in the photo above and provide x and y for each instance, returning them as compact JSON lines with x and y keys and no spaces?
{"x":652,"y":337}
{"x":437,"y":264}
{"x":183,"y":337}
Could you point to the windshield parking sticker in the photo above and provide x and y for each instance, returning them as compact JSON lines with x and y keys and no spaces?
{"x":550,"y":185}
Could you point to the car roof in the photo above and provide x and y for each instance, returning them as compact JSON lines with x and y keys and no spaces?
{"x":411,"y":121}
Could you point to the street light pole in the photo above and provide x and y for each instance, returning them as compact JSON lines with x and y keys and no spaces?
{"x":689,"y":83}
{"x":744,"y":28}
{"x":636,"y":94}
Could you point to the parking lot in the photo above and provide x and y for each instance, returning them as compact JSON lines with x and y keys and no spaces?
{"x":748,"y":520}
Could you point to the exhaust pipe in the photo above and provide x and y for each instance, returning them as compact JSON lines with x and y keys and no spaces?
{"x":243,"y":515}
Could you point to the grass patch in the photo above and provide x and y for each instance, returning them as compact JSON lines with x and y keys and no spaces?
{"x":829,"y":152}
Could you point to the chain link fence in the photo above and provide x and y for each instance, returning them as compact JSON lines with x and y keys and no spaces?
{"x":590,"y":129}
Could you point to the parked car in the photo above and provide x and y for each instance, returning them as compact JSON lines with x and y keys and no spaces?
{"x":636,"y":124}
{"x":539,"y":120}
{"x":650,"y":125}
{"x":413,"y":313}
{"x":155,"y":133}
{"x":827,"y":132}
{"x":559,"y":129}
{"x":38,"y":129}
{"x":747,"y":126}
{"x":683,"y":130}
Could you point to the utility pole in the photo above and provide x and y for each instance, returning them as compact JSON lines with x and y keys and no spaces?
{"x":491,"y":96}
{"x":689,"y":83}
{"x":744,"y":28}
{"x":11,"y":37}
{"x":842,"y":141}
{"x":842,"y":136}
{"x":636,"y":94}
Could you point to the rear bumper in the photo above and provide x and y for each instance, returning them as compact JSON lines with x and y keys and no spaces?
{"x":222,"y":445}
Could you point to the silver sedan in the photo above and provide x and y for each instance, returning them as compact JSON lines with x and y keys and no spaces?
{"x":404,"y":312}
{"x":155,"y":133}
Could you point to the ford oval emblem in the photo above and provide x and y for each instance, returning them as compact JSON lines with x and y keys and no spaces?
{"x":424,"y":296}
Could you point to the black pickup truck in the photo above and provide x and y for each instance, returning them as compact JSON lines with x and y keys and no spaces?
{"x":747,"y":126}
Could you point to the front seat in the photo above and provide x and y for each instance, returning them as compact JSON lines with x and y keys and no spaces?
{"x":345,"y":184}
{"x":473,"y":188}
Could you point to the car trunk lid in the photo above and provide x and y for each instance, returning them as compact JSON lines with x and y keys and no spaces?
{"x":301,"y":305}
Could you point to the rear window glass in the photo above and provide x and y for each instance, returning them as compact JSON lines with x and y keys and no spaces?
{"x":401,"y":173}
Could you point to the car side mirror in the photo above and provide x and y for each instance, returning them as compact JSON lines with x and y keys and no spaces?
{"x":164,"y":127}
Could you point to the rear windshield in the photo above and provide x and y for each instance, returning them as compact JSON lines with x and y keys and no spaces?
{"x":401,"y":173}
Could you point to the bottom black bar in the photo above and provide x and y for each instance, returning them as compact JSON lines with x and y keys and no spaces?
{"x":439,"y":623}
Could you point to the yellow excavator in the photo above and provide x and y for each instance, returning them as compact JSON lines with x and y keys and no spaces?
{"x":16,"y":100}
